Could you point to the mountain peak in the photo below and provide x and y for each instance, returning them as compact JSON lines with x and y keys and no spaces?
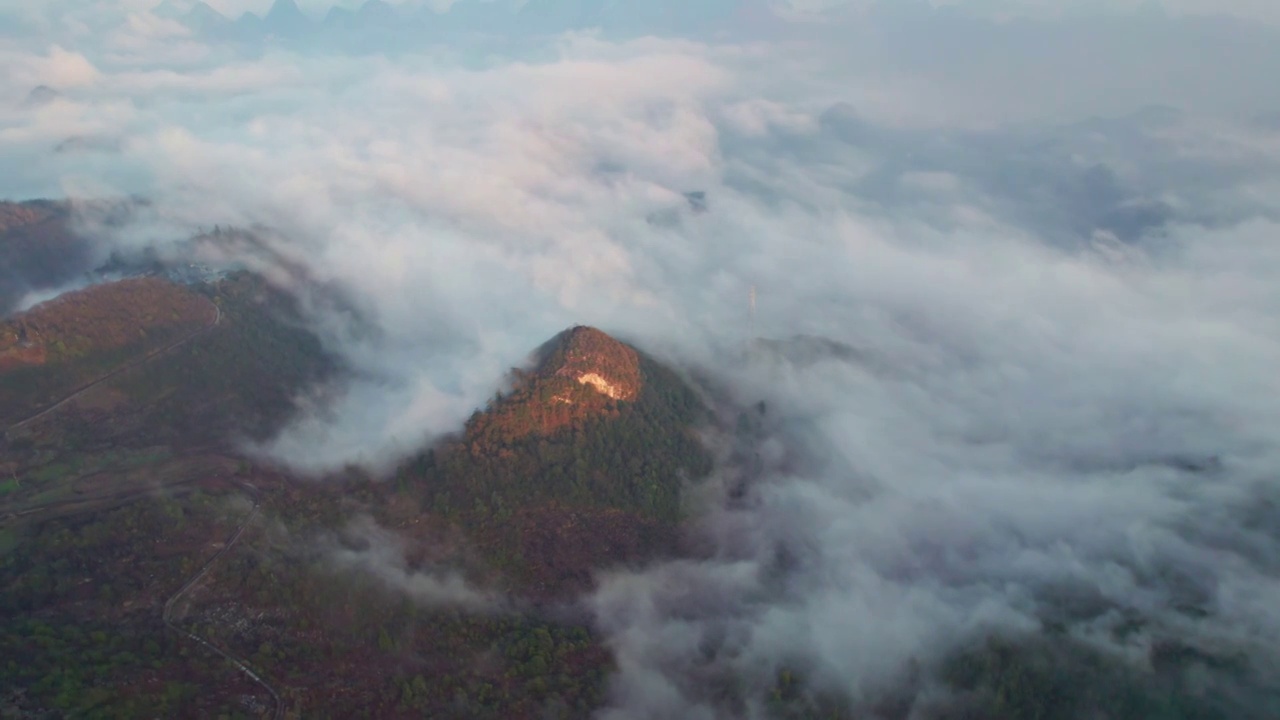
{"x":42,"y":95}
{"x":564,"y":471}
{"x":593,"y":358}
{"x":285,"y":16}
{"x":200,"y":17}
{"x":376,"y":8}
{"x":580,"y":374}
{"x":285,"y":9}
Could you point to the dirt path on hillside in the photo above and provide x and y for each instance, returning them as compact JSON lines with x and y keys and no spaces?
{"x":116,"y":499}
{"x":217,"y":318}
{"x":240,"y":663}
{"x":128,"y":496}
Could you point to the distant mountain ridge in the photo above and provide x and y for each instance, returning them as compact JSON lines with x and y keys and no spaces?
{"x":389,"y":26}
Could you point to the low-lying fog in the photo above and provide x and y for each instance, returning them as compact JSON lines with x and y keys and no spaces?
{"x":1020,"y":262}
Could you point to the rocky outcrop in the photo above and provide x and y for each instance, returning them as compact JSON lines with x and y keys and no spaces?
{"x":591,"y":357}
{"x":579,"y":374}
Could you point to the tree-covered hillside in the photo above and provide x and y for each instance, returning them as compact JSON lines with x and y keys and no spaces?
{"x":558,"y":478}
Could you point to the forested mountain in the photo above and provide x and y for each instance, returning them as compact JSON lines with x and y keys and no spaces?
{"x":147,"y":560}
{"x":578,"y":467}
{"x":38,"y":250}
{"x":435,"y":590}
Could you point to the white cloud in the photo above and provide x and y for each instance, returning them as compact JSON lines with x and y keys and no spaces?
{"x":369,"y":549}
{"x":1047,"y":325}
{"x":57,"y":68}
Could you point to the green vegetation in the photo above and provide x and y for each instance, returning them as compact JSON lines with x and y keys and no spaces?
{"x":236,"y":380}
{"x":1048,"y":676}
{"x":64,"y":473}
{"x":1055,"y":678}
{"x":75,"y":666}
{"x":338,"y":644}
{"x":68,"y":343}
{"x":80,"y":626}
{"x":107,"y":555}
{"x":553,"y":481}
{"x":354,"y":647}
{"x":630,"y":457}
{"x":240,"y":379}
{"x":545,"y":497}
{"x":548,"y":507}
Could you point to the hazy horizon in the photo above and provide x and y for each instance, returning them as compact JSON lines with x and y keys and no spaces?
{"x":1046,"y":231}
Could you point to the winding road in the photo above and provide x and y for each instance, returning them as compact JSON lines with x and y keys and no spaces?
{"x":241,"y":664}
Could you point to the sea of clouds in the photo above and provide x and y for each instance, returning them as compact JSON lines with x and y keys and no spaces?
{"x":1045,"y":243}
